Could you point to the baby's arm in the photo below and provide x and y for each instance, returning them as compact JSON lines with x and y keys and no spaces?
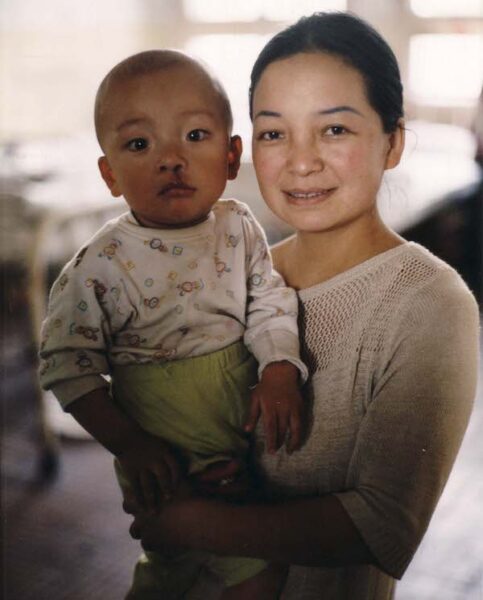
{"x":75,"y":336}
{"x":148,"y":463}
{"x":272,"y":337}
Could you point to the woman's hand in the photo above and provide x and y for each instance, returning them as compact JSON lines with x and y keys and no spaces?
{"x":229,"y":479}
{"x":166,"y":531}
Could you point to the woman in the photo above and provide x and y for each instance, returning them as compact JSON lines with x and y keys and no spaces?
{"x":390,"y":332}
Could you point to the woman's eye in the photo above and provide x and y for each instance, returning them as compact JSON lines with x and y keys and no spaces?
{"x":270,"y":135}
{"x":336,"y":130}
{"x":197,"y":135}
{"x":137,"y":144}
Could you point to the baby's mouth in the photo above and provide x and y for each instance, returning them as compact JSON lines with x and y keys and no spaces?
{"x":176,"y":189}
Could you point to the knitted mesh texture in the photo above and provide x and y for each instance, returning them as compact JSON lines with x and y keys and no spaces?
{"x":331,"y":320}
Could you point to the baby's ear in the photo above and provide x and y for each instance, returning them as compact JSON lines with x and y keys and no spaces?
{"x":234,"y":156}
{"x":108,"y":176}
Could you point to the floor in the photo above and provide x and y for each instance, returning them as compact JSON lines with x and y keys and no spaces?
{"x":67,"y":538}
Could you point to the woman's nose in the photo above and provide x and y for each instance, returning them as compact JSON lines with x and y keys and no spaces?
{"x":305,"y":158}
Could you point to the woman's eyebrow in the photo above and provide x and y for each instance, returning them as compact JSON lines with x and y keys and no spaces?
{"x":325,"y":111}
{"x":267,"y":113}
{"x":336,"y":109}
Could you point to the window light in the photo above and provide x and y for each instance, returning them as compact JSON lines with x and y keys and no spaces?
{"x":447,"y":8}
{"x":446,"y":69}
{"x":230,"y":57}
{"x":223,"y":11}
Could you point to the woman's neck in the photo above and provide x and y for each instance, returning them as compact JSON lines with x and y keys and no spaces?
{"x":308,"y":258}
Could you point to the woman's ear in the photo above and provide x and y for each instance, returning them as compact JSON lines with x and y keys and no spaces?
{"x":108,"y":176}
{"x":234,"y":156}
{"x":396,"y":145}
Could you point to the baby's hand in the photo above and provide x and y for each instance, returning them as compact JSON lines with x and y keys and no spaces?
{"x":151,"y":468}
{"x":278,"y":399}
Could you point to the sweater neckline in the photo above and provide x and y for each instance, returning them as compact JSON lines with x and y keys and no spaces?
{"x":366,"y":265}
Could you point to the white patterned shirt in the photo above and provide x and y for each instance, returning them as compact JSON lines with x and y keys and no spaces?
{"x":138,"y":295}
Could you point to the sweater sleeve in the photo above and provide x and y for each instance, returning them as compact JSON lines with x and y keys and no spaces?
{"x":414,"y":424}
{"x":75,"y":334}
{"x":271,"y":322}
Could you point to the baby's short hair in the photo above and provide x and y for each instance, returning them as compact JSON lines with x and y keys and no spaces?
{"x":151,"y":61}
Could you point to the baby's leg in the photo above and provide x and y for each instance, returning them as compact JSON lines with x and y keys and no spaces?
{"x":266,"y":585}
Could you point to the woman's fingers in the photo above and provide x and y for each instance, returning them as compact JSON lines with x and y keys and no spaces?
{"x":220,"y":470}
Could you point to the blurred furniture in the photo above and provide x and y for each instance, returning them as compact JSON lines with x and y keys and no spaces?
{"x":454,"y":232}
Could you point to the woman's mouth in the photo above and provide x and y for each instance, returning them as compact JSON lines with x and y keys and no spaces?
{"x":307,"y":197}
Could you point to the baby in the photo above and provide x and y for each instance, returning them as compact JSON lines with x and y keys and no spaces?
{"x":166,"y":299}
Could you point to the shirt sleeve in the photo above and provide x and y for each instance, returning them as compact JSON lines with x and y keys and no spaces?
{"x":271,"y":322}
{"x":414,"y":424}
{"x":75,"y":334}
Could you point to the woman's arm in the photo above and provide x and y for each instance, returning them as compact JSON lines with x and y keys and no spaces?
{"x":305,"y":531}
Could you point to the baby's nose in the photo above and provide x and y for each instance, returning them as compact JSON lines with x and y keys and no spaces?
{"x":171,"y":159}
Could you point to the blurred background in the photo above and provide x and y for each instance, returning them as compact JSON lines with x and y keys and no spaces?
{"x":64,"y":536}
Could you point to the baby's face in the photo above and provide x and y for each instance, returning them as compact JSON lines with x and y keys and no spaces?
{"x":167,"y":146}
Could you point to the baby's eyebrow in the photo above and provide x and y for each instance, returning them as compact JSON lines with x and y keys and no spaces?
{"x":199,"y":112}
{"x":130,"y":123}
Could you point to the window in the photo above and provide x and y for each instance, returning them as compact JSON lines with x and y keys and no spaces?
{"x":447,"y":8}
{"x":230,"y":57}
{"x":223,"y":11}
{"x":446,"y":69}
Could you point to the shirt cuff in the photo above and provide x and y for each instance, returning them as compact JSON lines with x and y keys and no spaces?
{"x":275,"y":346}
{"x":392,"y":551}
{"x":73,"y":389}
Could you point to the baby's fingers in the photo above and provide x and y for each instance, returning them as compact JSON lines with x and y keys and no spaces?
{"x":171,"y":470}
{"x":275,"y":426}
{"x":294,"y":440}
{"x":150,"y":490}
{"x":253,"y":413}
{"x":136,"y":490}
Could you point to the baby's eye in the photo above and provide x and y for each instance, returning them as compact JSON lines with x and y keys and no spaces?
{"x":197,"y":135}
{"x":137,"y":144}
{"x":269,"y":136}
{"x":335,"y":130}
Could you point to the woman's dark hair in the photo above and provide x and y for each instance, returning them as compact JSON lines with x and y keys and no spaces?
{"x":354,"y":41}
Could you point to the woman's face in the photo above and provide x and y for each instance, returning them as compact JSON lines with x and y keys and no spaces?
{"x":319,"y":148}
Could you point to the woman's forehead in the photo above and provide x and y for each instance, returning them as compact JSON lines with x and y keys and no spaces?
{"x":307,"y":78}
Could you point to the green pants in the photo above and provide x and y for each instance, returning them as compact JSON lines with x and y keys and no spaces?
{"x":199,"y":405}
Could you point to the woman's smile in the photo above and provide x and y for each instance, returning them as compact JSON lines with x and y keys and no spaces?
{"x":309,"y":197}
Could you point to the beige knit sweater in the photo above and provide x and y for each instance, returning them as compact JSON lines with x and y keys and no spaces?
{"x":392,"y":345}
